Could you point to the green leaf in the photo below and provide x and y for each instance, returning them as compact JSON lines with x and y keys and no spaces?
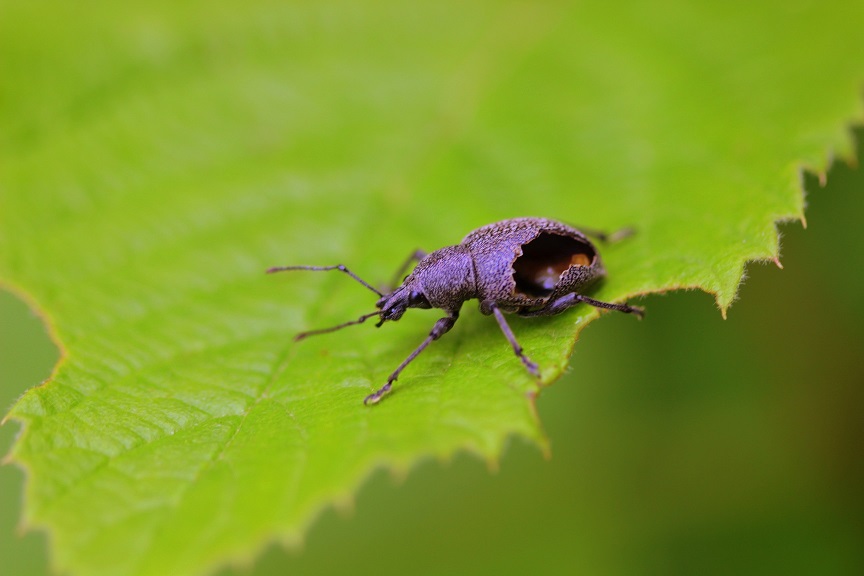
{"x":157,"y":159}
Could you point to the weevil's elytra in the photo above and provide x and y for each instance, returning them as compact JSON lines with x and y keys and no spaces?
{"x":522,"y":261}
{"x":524,"y":266}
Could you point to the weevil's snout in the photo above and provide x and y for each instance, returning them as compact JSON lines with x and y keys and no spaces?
{"x":394,"y":305}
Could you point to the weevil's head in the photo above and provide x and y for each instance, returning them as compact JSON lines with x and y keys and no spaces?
{"x":394,"y":304}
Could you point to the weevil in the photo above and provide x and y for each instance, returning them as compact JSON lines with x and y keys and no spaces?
{"x":524,"y":266}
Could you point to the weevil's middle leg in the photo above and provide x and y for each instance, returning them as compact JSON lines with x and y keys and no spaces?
{"x":508,"y":333}
{"x":441,"y":327}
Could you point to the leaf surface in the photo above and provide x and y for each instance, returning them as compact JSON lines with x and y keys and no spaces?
{"x":159,"y":158}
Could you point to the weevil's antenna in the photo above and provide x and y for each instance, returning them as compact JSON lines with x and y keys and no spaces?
{"x":360,"y":320}
{"x":340,"y":267}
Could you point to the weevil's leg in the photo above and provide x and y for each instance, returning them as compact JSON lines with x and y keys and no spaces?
{"x":340,"y":267}
{"x":608,"y":238}
{"x":441,"y":327}
{"x":517,"y":349}
{"x":626,"y":308}
{"x":569,"y":300}
{"x":415,"y":256}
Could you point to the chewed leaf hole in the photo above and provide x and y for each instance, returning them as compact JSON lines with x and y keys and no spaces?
{"x":538,"y":270}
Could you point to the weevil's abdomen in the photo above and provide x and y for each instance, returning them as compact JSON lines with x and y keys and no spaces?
{"x":525,"y":261}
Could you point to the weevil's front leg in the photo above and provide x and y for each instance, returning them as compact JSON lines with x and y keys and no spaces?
{"x":569,"y":300}
{"x":441,"y":327}
{"x":508,"y":333}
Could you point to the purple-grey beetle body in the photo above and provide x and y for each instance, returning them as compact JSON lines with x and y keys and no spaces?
{"x":525,"y":266}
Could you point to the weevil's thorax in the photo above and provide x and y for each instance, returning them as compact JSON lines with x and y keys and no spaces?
{"x":525,"y":262}
{"x":445,"y":277}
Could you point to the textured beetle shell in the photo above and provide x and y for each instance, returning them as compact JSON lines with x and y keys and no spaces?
{"x":495,"y":247}
{"x":446,"y":277}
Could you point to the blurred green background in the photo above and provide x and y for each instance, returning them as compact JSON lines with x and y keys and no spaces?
{"x":682,"y":444}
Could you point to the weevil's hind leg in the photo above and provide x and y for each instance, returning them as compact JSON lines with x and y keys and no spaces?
{"x":569,"y":300}
{"x":608,"y":237}
{"x":517,"y":349}
{"x":441,"y":327}
{"x":626,"y":308}
{"x":415,"y":256}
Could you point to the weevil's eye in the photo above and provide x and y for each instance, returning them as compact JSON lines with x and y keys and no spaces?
{"x":545,"y":258}
{"x":418,"y":300}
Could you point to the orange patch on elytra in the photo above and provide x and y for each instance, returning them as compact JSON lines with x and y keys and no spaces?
{"x":546,"y":274}
{"x":580,"y":260}
{"x":538,"y":270}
